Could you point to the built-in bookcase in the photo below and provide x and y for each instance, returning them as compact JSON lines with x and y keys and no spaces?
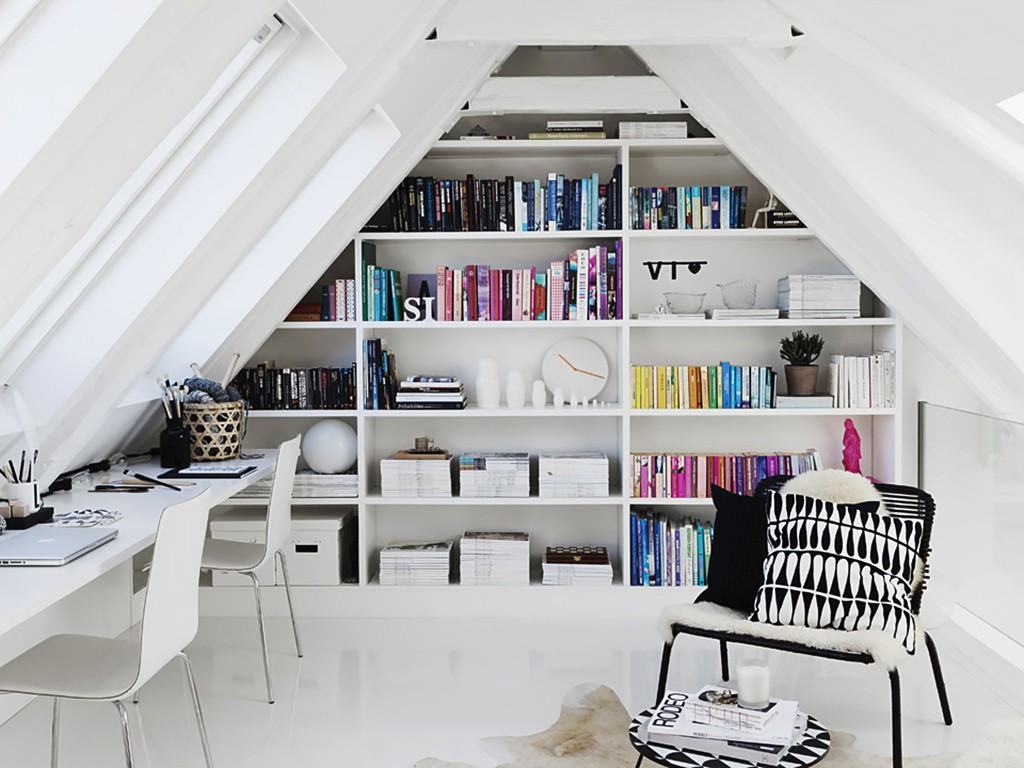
{"x":454,"y":348}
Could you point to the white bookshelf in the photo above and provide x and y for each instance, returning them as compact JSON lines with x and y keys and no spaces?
{"x":454,"y":347}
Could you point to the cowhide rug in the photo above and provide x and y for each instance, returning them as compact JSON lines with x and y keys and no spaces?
{"x":591,"y":733}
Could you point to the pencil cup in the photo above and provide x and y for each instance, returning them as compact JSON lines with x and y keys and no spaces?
{"x":26,"y":494}
{"x":175,"y":446}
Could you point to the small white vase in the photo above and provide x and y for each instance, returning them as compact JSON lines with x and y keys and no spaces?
{"x":515,"y":393}
{"x":488,"y":385}
{"x":574,"y":400}
{"x":539,"y":395}
{"x":558,"y":397}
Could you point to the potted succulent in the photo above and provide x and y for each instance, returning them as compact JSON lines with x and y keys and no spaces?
{"x":800,"y":351}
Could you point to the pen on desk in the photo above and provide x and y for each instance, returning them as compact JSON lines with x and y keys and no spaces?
{"x":21,"y":468}
{"x":153,"y":480}
{"x":14,"y":471}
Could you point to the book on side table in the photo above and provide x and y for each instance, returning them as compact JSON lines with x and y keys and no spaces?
{"x":688,"y":721}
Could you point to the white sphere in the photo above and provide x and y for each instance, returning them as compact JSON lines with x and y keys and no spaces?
{"x":329,"y":447}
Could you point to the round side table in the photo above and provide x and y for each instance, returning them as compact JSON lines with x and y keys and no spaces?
{"x":810,"y":750}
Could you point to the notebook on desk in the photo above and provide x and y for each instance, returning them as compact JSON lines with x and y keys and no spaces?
{"x":210,"y":472}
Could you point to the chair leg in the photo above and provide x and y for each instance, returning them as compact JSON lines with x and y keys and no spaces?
{"x":55,"y":733}
{"x":291,"y":607}
{"x":940,"y":683}
{"x":200,"y":722}
{"x":897,"y":719}
{"x":666,"y":659}
{"x":125,"y":734}
{"x":135,"y":696}
{"x":263,"y":637}
{"x":724,"y":649}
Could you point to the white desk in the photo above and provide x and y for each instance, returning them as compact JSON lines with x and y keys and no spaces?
{"x":25,"y":593}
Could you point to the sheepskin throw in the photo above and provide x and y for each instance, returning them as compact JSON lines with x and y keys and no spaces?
{"x":831,"y":566}
{"x":835,"y":485}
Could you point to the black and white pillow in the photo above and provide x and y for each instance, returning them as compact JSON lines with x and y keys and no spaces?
{"x":839,"y":567}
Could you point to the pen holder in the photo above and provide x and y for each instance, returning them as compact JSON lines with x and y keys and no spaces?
{"x":25,"y":494}
{"x":175,"y":446}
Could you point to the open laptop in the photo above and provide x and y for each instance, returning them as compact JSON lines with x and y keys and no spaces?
{"x":51,"y":545}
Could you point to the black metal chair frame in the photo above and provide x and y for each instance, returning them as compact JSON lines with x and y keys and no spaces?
{"x":900,"y":500}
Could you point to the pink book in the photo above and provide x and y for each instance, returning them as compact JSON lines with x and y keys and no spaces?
{"x":494,"y":291}
{"x":645,"y":486}
{"x":556,"y":287}
{"x":449,"y":294}
{"x":592,"y":284}
{"x":531,"y":292}
{"x":702,"y":477}
{"x":674,"y":485}
{"x":602,"y":284}
{"x":619,"y":269}
{"x":483,"y":299}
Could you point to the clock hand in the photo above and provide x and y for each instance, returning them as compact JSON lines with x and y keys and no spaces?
{"x":588,"y":373}
{"x":562,"y":357}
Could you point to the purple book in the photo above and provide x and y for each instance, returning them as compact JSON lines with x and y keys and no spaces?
{"x":602,"y":285}
{"x":483,"y":299}
{"x":620,"y":267}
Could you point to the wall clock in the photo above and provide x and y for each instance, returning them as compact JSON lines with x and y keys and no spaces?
{"x":575,"y":366}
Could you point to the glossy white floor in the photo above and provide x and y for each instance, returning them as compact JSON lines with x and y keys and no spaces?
{"x":382,"y":694}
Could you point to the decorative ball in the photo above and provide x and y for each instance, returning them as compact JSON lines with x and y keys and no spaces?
{"x":329,"y":447}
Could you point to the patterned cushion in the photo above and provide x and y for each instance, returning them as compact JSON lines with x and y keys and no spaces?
{"x":839,"y":567}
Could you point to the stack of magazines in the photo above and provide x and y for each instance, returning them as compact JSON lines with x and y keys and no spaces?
{"x":804,"y":297}
{"x":308,"y":485}
{"x":416,"y":474}
{"x":422,"y":564}
{"x":438,"y":393}
{"x":577,"y":566}
{"x":494,"y":475}
{"x":711,"y":721}
{"x":494,"y":559}
{"x":570,"y":475}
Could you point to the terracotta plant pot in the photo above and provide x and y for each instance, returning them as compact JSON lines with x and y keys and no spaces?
{"x":801,"y":379}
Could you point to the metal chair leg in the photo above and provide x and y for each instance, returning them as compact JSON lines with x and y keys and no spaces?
{"x":200,"y":722}
{"x":897,"y":719}
{"x":125,"y":734}
{"x":940,"y":683}
{"x":263,"y":636}
{"x":666,"y":659}
{"x":291,"y":607}
{"x":55,"y":733}
{"x":135,"y":696}
{"x":724,"y":651}
{"x":639,"y":761}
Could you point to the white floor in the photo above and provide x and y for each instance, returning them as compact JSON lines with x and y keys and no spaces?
{"x":383,"y":693}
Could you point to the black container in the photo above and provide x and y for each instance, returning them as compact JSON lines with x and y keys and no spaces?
{"x":175,"y":446}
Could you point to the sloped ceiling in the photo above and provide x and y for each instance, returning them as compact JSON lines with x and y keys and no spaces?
{"x":863,"y":124}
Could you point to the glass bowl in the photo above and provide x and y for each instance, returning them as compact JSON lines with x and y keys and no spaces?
{"x":739,"y":294}
{"x":684,"y":303}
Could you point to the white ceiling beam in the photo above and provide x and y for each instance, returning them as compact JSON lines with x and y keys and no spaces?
{"x":510,"y":95}
{"x":614,"y":22}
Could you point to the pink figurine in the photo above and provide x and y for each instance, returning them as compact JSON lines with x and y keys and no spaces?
{"x":851,"y":447}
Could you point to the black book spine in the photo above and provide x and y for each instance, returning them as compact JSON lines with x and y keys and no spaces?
{"x":506,"y":294}
{"x":510,"y":205}
{"x":502,"y":209}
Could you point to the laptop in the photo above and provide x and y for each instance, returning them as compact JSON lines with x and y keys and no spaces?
{"x":51,"y":545}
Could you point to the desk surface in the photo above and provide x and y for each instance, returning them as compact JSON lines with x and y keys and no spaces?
{"x":27,"y":591}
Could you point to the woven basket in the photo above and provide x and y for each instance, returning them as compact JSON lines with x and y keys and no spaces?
{"x":217,"y":429}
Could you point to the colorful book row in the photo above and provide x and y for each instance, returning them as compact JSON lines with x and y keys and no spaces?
{"x":690,"y":476}
{"x":426,"y":204}
{"x":668,"y":553}
{"x":716,"y":207}
{"x":673,"y":387}
{"x":380,"y":377}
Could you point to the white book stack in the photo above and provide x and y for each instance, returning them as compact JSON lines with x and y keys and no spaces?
{"x":308,"y":485}
{"x":664,"y":129}
{"x":804,"y":297}
{"x":494,"y":475}
{"x":406,"y":474}
{"x":745,"y":314}
{"x":573,"y":475}
{"x":494,"y":559}
{"x":577,"y":566}
{"x":863,"y":381}
{"x":421,"y":564}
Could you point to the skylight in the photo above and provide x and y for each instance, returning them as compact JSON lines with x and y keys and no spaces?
{"x":1014,"y":106}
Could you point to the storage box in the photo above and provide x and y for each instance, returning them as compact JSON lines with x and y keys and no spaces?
{"x":314,"y":554}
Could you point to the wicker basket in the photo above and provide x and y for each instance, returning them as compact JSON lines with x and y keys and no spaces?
{"x":217,"y":429}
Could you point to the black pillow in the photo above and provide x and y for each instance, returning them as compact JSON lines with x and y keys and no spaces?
{"x":738,"y":550}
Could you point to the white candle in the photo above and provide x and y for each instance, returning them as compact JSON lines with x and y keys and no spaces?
{"x":753,"y":683}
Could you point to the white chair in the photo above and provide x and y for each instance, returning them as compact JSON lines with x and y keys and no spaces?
{"x":245,"y":558}
{"x":112,"y":669}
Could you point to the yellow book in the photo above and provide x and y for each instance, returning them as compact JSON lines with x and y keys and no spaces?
{"x":661,"y":393}
{"x":694,"y":398}
{"x":705,"y":391}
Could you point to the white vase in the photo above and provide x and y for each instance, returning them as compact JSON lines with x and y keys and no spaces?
{"x":515,"y":392}
{"x":488,"y":385}
{"x":539,"y":395}
{"x":558,"y":397}
{"x":574,"y":400}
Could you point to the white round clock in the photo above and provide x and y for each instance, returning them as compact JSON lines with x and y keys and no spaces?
{"x":575,"y":366}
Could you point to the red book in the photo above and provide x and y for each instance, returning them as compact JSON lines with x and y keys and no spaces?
{"x":449,"y":293}
{"x":471,"y":304}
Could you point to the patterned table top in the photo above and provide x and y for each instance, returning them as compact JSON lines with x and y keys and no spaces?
{"x":811,"y":750}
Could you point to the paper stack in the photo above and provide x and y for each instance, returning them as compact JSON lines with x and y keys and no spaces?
{"x":804,"y":297}
{"x":494,"y":559}
{"x":494,"y":475}
{"x":308,"y":485}
{"x":422,"y":564}
{"x":572,"y":475}
{"x":577,"y":566}
{"x":745,"y":314}
{"x":689,"y":722}
{"x":436,"y":393}
{"x":412,"y":474}
{"x":664,"y":129}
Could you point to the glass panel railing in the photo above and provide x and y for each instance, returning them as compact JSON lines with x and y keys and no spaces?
{"x":973,"y":465}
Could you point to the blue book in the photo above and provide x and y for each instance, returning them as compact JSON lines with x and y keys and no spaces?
{"x":726,"y":374}
{"x":560,"y":201}
{"x":656,"y":541}
{"x":632,"y":549}
{"x":737,"y":386}
{"x":595,"y":184}
{"x":700,"y":555}
{"x":645,"y":575}
{"x":725,"y":205}
{"x":552,"y":202}
{"x":716,"y":221}
{"x":577,"y":205}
